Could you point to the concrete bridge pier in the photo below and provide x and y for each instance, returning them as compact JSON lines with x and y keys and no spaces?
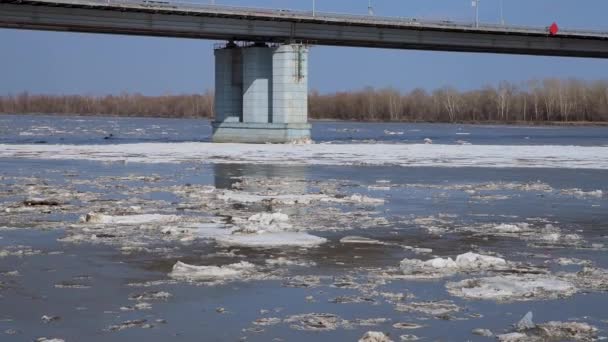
{"x":261,"y":93}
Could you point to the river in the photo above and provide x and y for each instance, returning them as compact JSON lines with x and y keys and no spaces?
{"x":127,"y":229}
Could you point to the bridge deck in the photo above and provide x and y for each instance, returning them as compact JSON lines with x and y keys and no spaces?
{"x":174,"y":19}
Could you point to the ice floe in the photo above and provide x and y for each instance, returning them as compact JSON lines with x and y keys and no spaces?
{"x":186,"y":272}
{"x":375,"y":336}
{"x":282,"y":261}
{"x":441,"y":267}
{"x":128,"y":219}
{"x":271,"y":239}
{"x":407,"y":326}
{"x":432,"y":308}
{"x":482,"y":332}
{"x":360,"y":240}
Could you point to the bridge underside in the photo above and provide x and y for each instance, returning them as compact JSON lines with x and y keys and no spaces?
{"x":261,"y":93}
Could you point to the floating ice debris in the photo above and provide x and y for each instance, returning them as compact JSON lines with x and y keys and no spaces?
{"x":291,"y":199}
{"x":128,"y":219}
{"x":355,"y":198}
{"x":571,"y":261}
{"x":375,"y":336}
{"x":512,"y":288}
{"x":315,"y":322}
{"x":439,"y":267}
{"x":185,"y":272}
{"x":573,"y":331}
{"x":482,"y":332}
{"x":287,"y":199}
{"x":511,"y":228}
{"x":581,"y":193}
{"x":418,"y":250}
{"x":266,"y":321}
{"x":368,"y":322}
{"x":255,"y":330}
{"x":151,"y":295}
{"x":513,"y":337}
{"x":408,"y":337}
{"x":265,"y":222}
{"x":35,"y":201}
{"x":139,"y":323}
{"x":301,"y":281}
{"x":360,"y":240}
{"x":47,"y":339}
{"x":439,"y":308}
{"x":302,"y":141}
{"x":351,"y":300}
{"x":138,"y":306}
{"x":590,"y":278}
{"x":18,"y":251}
{"x":268,"y":218}
{"x":271,"y":240}
{"x":49,"y":319}
{"x":472,"y":261}
{"x":71,"y":285}
{"x":526,"y":322}
{"x":549,"y":235}
{"x":428,"y":141}
{"x":407,"y":326}
{"x":551,"y":331}
{"x":282,"y":261}
{"x":379,"y":187}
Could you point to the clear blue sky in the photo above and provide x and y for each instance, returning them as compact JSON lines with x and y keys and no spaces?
{"x":70,"y":63}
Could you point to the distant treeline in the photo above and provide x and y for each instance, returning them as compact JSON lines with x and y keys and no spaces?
{"x":536,"y":101}
{"x":174,"y":106}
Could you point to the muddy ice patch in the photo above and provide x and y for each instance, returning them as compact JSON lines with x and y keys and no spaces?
{"x":440,"y":309}
{"x":547,"y":235}
{"x":526,"y":330}
{"x":589,"y":278}
{"x":513,"y":288}
{"x":534,"y":233}
{"x":323,"y":322}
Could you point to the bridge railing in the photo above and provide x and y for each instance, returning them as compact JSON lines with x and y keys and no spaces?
{"x":326,"y":16}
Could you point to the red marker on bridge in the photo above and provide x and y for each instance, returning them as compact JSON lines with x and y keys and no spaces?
{"x":553,"y":29}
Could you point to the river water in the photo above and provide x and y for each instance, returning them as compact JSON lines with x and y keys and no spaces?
{"x":320,"y":242}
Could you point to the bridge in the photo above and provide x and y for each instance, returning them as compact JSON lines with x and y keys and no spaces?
{"x":261,"y":73}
